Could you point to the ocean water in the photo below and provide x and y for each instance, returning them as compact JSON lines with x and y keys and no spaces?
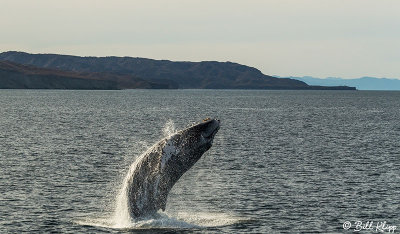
{"x":282,"y":161}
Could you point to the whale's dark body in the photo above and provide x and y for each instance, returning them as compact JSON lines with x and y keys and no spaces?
{"x":161,"y":166}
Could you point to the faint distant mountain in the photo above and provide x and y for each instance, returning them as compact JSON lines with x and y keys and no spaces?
{"x":364,"y":83}
{"x":194,"y":75}
{"x":17,"y":76}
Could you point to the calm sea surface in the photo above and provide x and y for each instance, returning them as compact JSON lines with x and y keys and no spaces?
{"x":282,"y":162}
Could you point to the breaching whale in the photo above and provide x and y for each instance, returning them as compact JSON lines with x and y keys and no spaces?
{"x":163,"y":164}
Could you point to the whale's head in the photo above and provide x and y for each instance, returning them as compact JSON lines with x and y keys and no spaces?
{"x":183,"y":149}
{"x":201,"y":135}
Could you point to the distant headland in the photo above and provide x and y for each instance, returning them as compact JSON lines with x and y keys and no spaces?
{"x":363,"y":83}
{"x":19,"y":70}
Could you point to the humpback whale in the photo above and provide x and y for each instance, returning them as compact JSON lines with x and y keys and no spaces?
{"x":160,"y":167}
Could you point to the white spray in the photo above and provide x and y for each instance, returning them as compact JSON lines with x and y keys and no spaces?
{"x":169,"y":128}
{"x":122,"y":217}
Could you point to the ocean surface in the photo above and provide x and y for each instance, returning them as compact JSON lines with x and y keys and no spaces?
{"x":282,"y":161}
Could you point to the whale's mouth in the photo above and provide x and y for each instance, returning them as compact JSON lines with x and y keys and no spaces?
{"x":210,"y":136}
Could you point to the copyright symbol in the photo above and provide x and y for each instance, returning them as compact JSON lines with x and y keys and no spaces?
{"x":346,"y":225}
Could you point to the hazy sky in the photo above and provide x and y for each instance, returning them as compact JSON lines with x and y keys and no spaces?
{"x":346,"y":38}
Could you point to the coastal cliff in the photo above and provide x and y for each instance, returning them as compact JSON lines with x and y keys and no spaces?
{"x":129,"y":72}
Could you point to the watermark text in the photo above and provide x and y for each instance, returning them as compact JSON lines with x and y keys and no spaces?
{"x":358,"y":226}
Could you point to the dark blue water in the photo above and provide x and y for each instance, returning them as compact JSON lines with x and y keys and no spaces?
{"x":283,"y":161}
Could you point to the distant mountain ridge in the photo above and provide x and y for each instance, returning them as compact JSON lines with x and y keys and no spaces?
{"x":18,"y":76}
{"x":164,"y":73}
{"x":363,"y":83}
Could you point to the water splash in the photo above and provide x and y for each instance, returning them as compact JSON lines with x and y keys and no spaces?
{"x":169,"y":128}
{"x":180,"y":220}
{"x":121,"y":217}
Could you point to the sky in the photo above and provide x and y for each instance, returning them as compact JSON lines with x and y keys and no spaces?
{"x":320,"y":38}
